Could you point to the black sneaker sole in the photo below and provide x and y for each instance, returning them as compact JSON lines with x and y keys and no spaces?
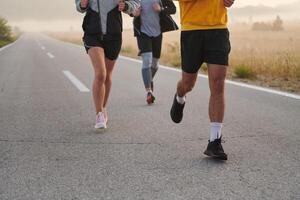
{"x":219,"y":157}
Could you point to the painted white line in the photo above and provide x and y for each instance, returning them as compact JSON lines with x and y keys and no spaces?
{"x":9,"y":45}
{"x":50,"y":55}
{"x":262,"y":89}
{"x":257,"y":88}
{"x":6,"y":46}
{"x":244,"y":85}
{"x":80,"y":86}
{"x":40,"y":45}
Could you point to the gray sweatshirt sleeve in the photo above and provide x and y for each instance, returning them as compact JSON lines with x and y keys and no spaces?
{"x":131,"y":5}
{"x":78,"y":7}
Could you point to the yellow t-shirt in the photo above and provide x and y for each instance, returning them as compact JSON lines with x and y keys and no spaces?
{"x":202,"y":14}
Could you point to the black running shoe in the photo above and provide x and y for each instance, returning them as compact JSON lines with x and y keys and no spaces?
{"x":215,"y":150}
{"x":176,"y":111}
{"x":150,"y":98}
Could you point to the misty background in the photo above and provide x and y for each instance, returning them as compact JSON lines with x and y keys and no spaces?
{"x":61,"y":15}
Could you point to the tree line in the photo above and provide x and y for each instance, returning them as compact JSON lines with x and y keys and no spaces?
{"x":276,"y":25}
{"x":5,"y":31}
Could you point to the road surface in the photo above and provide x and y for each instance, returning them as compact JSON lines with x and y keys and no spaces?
{"x":49,"y":149}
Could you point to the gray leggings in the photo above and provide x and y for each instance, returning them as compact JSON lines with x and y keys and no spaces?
{"x":149,"y":68}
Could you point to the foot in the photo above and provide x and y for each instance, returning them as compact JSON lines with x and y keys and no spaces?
{"x":150,"y":98}
{"x":100,"y":121}
{"x":215,"y":150}
{"x":177,"y":110}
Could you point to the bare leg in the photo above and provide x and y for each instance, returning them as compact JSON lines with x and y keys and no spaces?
{"x":217,"y":75}
{"x":108,"y":82}
{"x":186,"y":84}
{"x":97,"y":57}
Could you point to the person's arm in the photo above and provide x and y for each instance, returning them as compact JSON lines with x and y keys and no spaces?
{"x":228,"y":3}
{"x":131,"y":6}
{"x":136,"y":12}
{"x":81,"y":5}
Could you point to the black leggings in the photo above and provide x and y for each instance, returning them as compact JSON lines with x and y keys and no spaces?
{"x":150,"y":44}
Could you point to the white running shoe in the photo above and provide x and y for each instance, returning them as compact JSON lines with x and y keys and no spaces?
{"x":105,"y":115}
{"x":100,"y":121}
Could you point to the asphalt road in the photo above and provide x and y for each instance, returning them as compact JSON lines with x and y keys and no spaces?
{"x":49,"y":149}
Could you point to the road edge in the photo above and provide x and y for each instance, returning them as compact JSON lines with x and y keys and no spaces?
{"x":230,"y":82}
{"x":9,"y":45}
{"x":244,"y":85}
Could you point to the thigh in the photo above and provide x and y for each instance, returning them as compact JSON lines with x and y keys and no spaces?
{"x":156,"y":46}
{"x":144,"y":43}
{"x":189,"y":78}
{"x":216,"y":76}
{"x":217,"y":47}
{"x":109,"y":66}
{"x":191,"y":51}
{"x":97,"y":57}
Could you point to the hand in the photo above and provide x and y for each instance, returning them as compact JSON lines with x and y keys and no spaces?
{"x":84,"y":3}
{"x":228,"y":3}
{"x":137,"y":12}
{"x":121,"y":5}
{"x":156,"y":7}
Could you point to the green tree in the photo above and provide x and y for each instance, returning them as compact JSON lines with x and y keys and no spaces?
{"x":277,"y":24}
{"x":5,"y":30}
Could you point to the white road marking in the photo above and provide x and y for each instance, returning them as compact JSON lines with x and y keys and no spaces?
{"x":50,"y":55}
{"x":40,"y":45}
{"x":244,"y":85}
{"x":9,"y":45}
{"x":80,"y":86}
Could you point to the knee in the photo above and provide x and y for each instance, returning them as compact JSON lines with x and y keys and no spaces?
{"x":108,"y":79}
{"x":100,"y":77}
{"x":155,"y":62}
{"x":147,"y":60}
{"x":188,"y":85}
{"x":217,"y":86}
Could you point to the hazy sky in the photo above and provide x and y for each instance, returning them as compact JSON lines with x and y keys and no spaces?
{"x":240,"y":3}
{"x":62,"y":15}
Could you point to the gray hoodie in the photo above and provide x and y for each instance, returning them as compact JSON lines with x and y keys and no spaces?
{"x":106,"y":7}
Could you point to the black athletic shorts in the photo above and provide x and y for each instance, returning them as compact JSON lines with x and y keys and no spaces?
{"x":109,"y":42}
{"x":199,"y":46}
{"x":149,"y":44}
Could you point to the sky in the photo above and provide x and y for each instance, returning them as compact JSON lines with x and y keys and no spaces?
{"x":30,"y":15}
{"x":273,"y":3}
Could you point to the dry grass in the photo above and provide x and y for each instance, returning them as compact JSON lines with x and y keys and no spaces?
{"x":272,"y":57}
{"x":263,"y":58}
{"x":72,"y":37}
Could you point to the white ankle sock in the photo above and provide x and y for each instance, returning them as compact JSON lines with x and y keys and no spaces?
{"x":215,"y":130}
{"x":180,"y":100}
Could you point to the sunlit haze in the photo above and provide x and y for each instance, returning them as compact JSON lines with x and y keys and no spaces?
{"x":240,"y":3}
{"x":33,"y":15}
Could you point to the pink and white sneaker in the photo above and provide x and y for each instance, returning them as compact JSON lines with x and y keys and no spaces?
{"x":100,"y":121}
{"x":105,"y":115}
